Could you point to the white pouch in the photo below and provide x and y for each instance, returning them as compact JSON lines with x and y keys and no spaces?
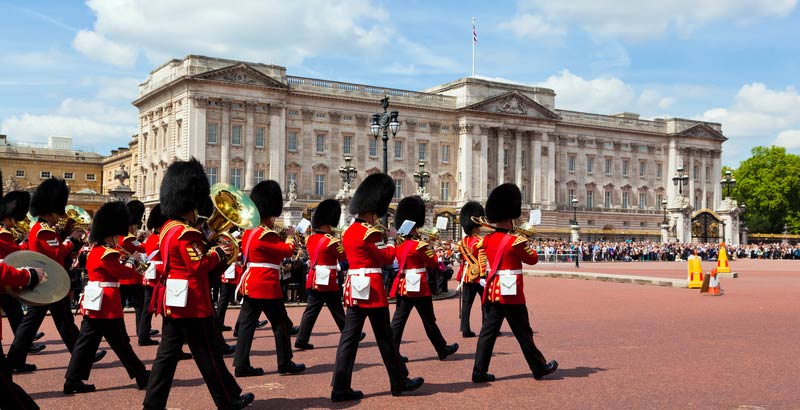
{"x":322,"y":275}
{"x":413,"y":280}
{"x":508,"y":285}
{"x":359,"y":287}
{"x":230,"y":273}
{"x":92,"y":298}
{"x":150,"y":273}
{"x":177,"y":292}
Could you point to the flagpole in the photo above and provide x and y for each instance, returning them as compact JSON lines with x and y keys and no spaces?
{"x":473,"y":46}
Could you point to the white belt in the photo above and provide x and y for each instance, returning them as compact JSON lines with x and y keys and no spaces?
{"x":103,"y":284}
{"x":363,"y":271}
{"x":509,"y":272}
{"x":263,"y":265}
{"x":415,"y":270}
{"x":157,"y":262}
{"x":331,"y":267}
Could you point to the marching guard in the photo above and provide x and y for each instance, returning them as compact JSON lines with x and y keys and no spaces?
{"x":154,"y":223}
{"x":48,"y":206}
{"x":185,"y":299}
{"x":410,"y":287}
{"x":131,"y":289}
{"x":262,"y":253}
{"x":473,"y":263}
{"x":364,"y":293}
{"x":503,"y":296}
{"x":101,"y":307}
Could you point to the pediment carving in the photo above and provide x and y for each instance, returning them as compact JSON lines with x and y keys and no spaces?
{"x":241,"y":74}
{"x":702,"y":131}
{"x":514,"y":103}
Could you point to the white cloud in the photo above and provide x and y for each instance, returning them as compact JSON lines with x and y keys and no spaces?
{"x":638,"y":20}
{"x":532,"y":26}
{"x":790,"y":139}
{"x":276,"y":31}
{"x":600,"y":95}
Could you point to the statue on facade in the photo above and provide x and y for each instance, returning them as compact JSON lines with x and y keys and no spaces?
{"x":292,"y":194}
{"x":121,"y":175}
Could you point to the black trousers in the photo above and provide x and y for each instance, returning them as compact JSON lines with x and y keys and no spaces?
{"x":198,"y":333}
{"x":248,"y":316}
{"x":145,"y":323}
{"x":134,"y":294}
{"x":316,"y":300}
{"x":468,"y":292}
{"x":13,"y":396}
{"x":92,"y":331}
{"x":226,"y":293}
{"x":424,"y":306}
{"x":518,"y":320}
{"x":63,"y":319}
{"x":348,"y":347}
{"x":13,"y":310}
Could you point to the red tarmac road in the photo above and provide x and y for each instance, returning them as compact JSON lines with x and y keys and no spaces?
{"x":619,"y":346}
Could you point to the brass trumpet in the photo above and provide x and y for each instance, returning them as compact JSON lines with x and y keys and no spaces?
{"x":138,"y":264}
{"x":231,"y":207}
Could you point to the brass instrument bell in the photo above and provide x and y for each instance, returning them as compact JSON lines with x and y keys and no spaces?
{"x":231,"y":207}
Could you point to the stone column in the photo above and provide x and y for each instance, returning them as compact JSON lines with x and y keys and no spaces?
{"x":196,"y":130}
{"x":481,"y":194}
{"x":536,"y":165}
{"x":277,"y":144}
{"x":574,"y":232}
{"x":249,"y":146}
{"x":465,"y":164}
{"x":518,"y":158}
{"x":551,"y":171}
{"x":225,"y":142}
{"x":672,"y":167}
{"x":501,"y":169}
{"x":664,"y":233}
{"x":704,"y":177}
{"x":690,"y":172}
{"x":716,"y":169}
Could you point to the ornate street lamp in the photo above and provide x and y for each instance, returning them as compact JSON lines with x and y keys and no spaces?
{"x":348,"y":174}
{"x":421,"y":177}
{"x":680,"y":179}
{"x":380,"y":124}
{"x":574,"y":211}
{"x":664,"y":207}
{"x":728,"y":181}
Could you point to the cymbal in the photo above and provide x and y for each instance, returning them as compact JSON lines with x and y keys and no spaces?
{"x":49,"y":291}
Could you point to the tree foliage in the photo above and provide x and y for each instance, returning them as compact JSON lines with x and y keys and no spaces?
{"x":769,"y":184}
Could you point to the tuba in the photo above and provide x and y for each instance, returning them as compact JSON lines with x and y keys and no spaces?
{"x":78,"y":215}
{"x":231,"y":207}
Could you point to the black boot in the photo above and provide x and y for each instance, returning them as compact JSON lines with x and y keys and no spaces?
{"x":551,"y":368}
{"x":347,"y":395}
{"x":142,"y":380}
{"x":408,"y":385}
{"x":291,"y":368}
{"x":448,"y":350}
{"x":71,"y":387}
{"x":242,"y":402}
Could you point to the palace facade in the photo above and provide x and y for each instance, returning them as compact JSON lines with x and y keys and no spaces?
{"x":248,"y":122}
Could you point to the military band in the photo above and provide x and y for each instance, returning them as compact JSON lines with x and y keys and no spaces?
{"x":170,"y":275}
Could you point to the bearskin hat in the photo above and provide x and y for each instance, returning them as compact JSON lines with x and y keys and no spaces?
{"x":156,"y":219}
{"x":183,"y":187}
{"x":15,"y":205}
{"x":505,"y":202}
{"x":268,"y":198}
{"x":50,"y":197}
{"x":328,"y":212}
{"x":136,"y":211}
{"x":373,"y":195}
{"x":110,"y":220}
{"x":410,"y":208}
{"x":469,"y":210}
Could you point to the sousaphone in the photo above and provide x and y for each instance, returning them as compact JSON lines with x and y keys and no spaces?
{"x":52,"y":289}
{"x":231,"y":207}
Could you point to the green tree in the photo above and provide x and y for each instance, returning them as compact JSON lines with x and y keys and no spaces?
{"x":769,"y":184}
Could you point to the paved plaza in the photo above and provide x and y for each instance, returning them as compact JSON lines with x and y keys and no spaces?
{"x":619,"y":346}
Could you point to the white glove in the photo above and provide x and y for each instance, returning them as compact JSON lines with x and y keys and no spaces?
{"x":482,"y":282}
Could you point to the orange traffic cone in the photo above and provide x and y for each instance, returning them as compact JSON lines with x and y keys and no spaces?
{"x":713,"y":284}
{"x":722,"y":260}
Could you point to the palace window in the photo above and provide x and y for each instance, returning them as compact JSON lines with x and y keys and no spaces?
{"x":398,"y":188}
{"x":571,"y":197}
{"x":505,"y":157}
{"x":642,"y":168}
{"x":608,"y":166}
{"x":211,"y":172}
{"x":695,"y":172}
{"x":69,"y":176}
{"x":291,"y":141}
{"x":445,"y":185}
{"x":347,"y":144}
{"x":624,"y":200}
{"x":236,"y":177}
{"x":319,"y":185}
{"x":697,"y":202}
{"x":625,"y":166}
{"x":607,"y":200}
{"x":571,"y":164}
{"x":259,"y":175}
{"x":91,"y":177}
{"x":524,"y":159}
{"x":45,"y":174}
{"x":320,"y":143}
{"x":236,"y":135}
{"x":398,"y":149}
{"x":373,"y":147}
{"x":642,"y":200}
{"x":659,"y":198}
{"x":260,"y":137}
{"x":423,"y":150}
{"x":589,"y":199}
{"x":445,"y":153}
{"x":589,"y":165}
{"x":708,"y":174}
{"x":658,"y":170}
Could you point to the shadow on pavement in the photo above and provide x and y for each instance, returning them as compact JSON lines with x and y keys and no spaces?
{"x":304,"y":403}
{"x":580,"y":371}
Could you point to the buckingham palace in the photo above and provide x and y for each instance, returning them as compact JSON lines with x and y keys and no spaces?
{"x":593,"y":176}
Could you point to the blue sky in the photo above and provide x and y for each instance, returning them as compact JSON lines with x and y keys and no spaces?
{"x":72,"y":68}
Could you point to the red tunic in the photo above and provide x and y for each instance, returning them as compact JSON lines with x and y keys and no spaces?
{"x":186,"y":257}
{"x":104,"y":267}
{"x":325,"y":251}
{"x":366,"y":253}
{"x":132,"y":247}
{"x":150,"y":246}
{"x":513,"y":254}
{"x":414,"y":256}
{"x":469,"y":243}
{"x":13,"y":278}
{"x":262,"y":251}
{"x":44,"y":239}
{"x":7,"y":243}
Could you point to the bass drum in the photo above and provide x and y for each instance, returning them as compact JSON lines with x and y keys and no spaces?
{"x":51,"y":290}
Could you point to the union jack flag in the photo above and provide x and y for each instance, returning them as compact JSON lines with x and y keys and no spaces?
{"x":474,"y":32}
